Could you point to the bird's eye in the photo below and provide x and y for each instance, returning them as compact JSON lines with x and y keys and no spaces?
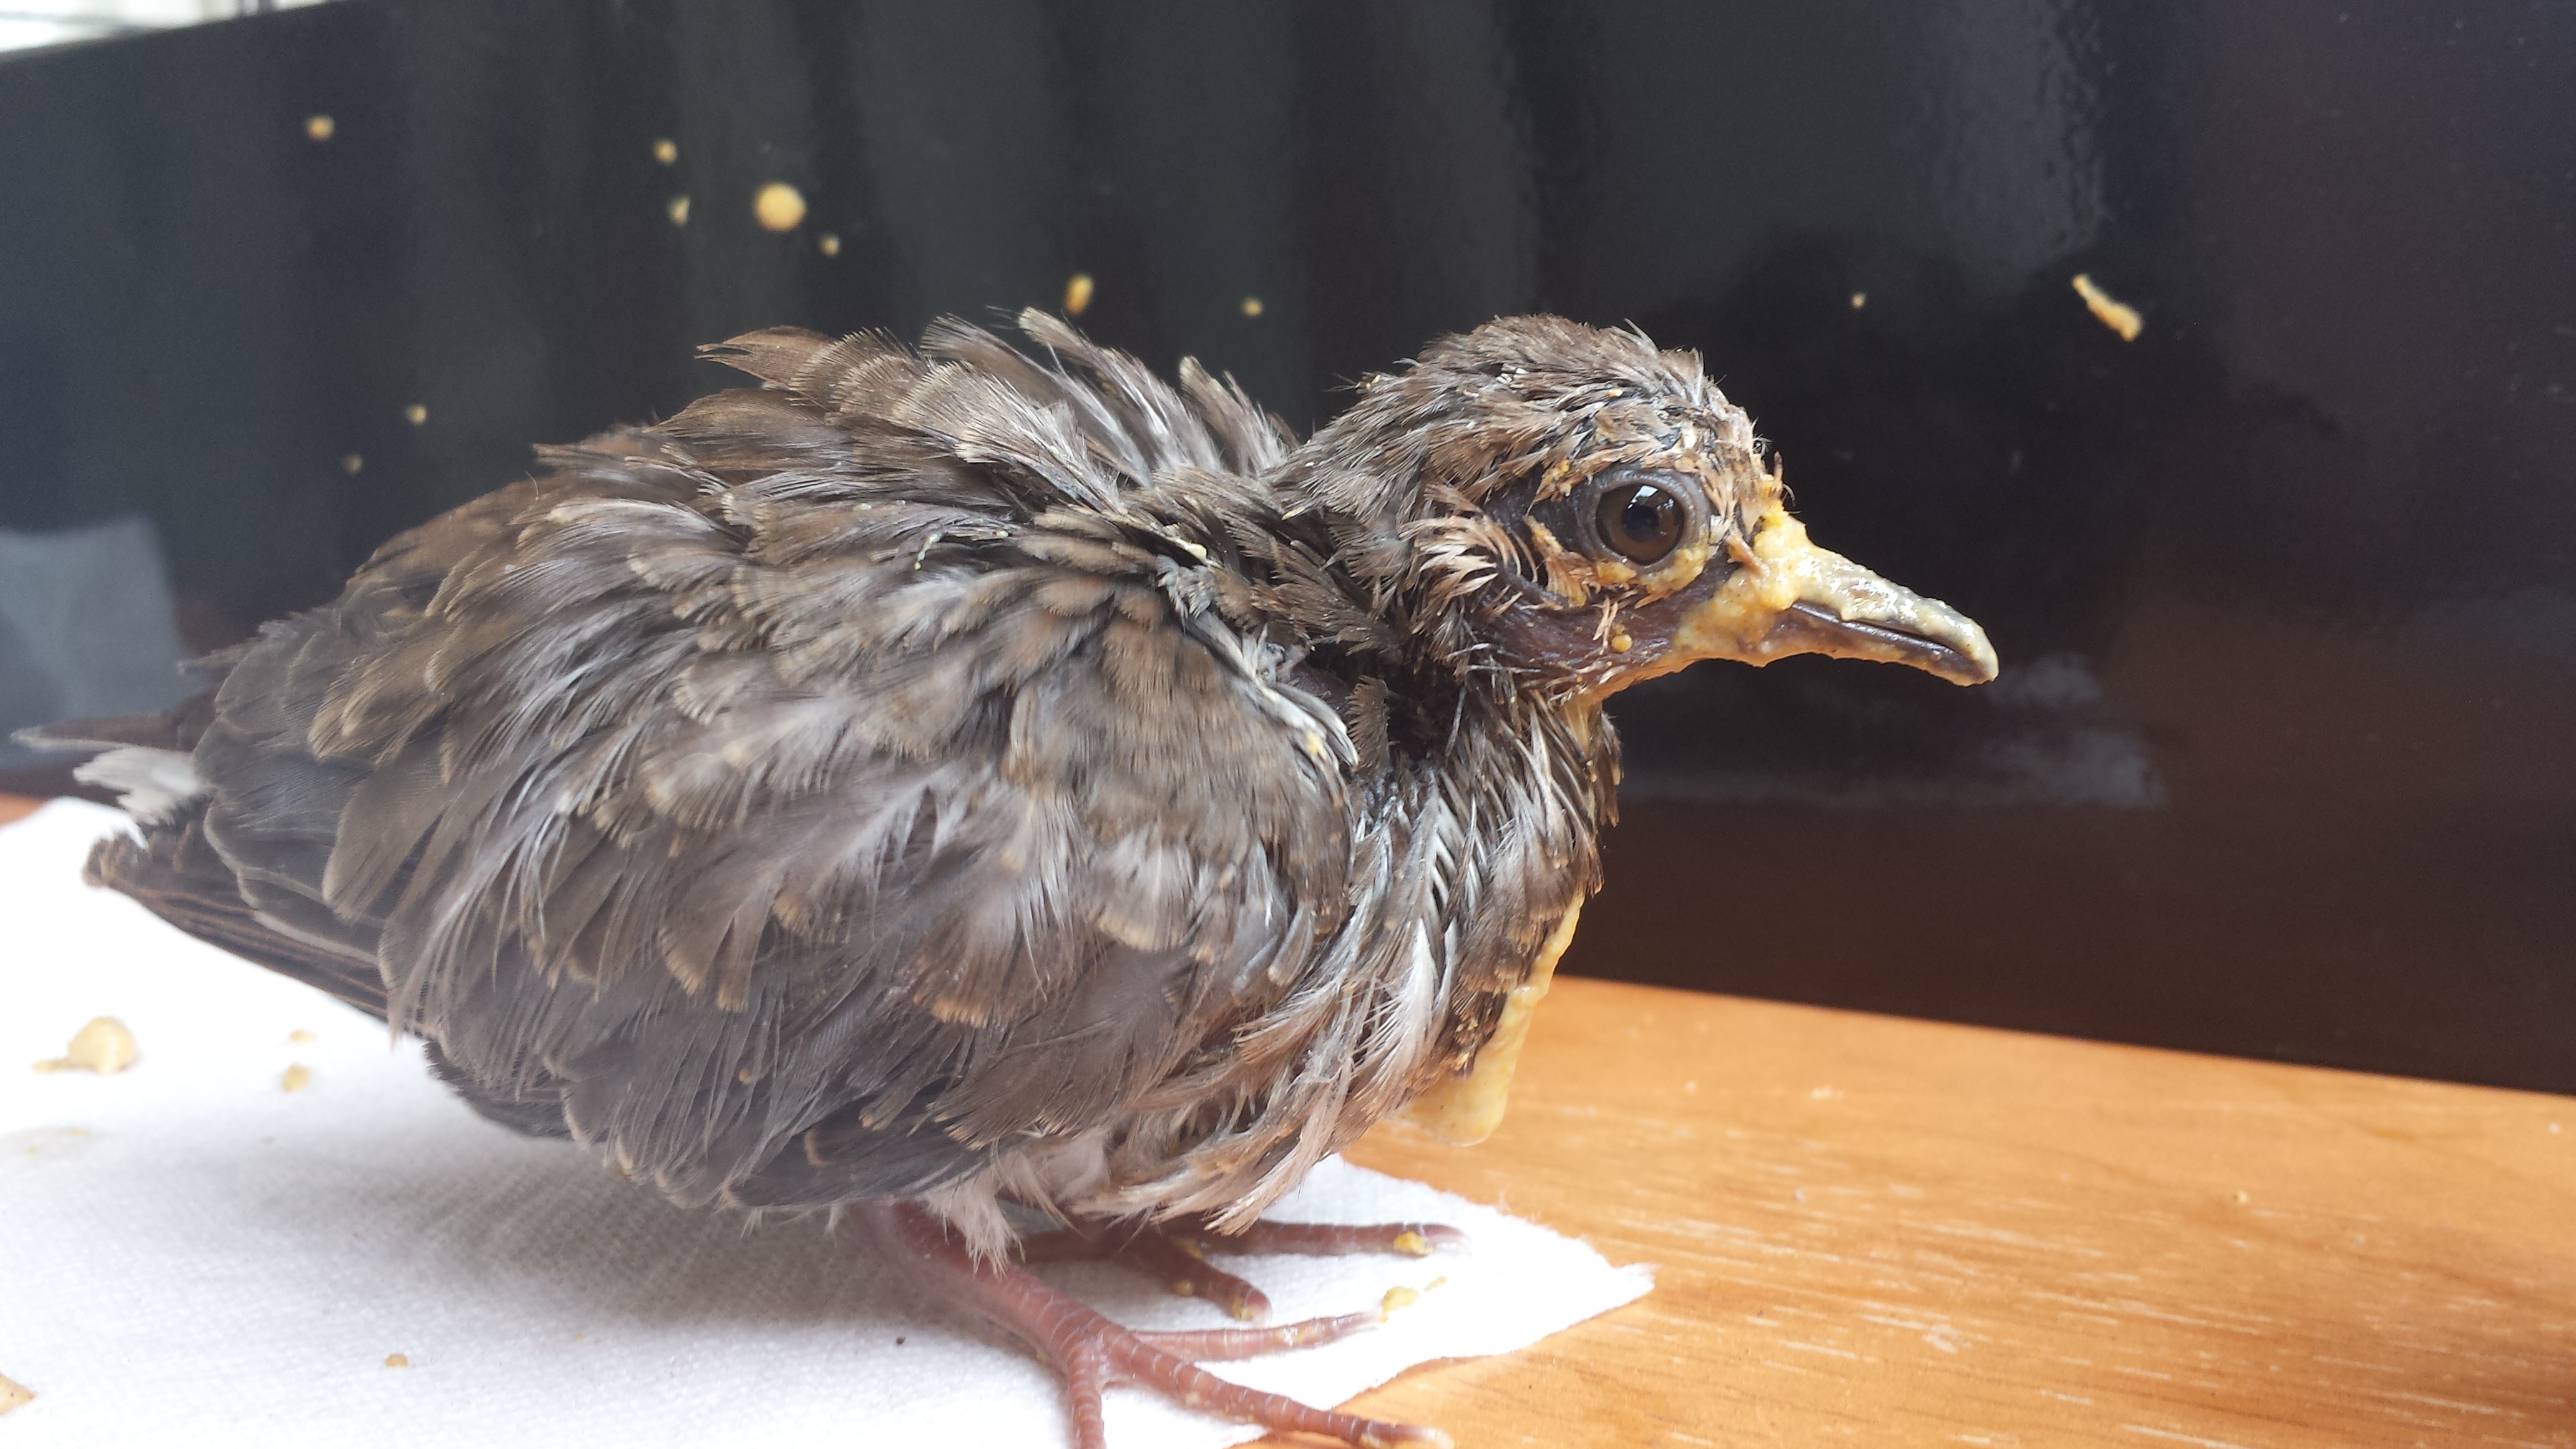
{"x":1640,"y":522}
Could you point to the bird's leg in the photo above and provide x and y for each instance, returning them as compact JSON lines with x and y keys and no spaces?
{"x":1175,"y":1253}
{"x":1092,"y":1353}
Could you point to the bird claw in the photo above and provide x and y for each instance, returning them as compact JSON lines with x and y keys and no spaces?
{"x":1173,"y":1260}
{"x":1176,"y":1253}
{"x":1328,"y":1240}
{"x":1092,"y":1353}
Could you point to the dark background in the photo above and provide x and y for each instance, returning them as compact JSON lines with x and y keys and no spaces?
{"x":2285,"y":588}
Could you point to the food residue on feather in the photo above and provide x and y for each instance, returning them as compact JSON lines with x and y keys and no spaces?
{"x":103,"y":1046}
{"x":779,"y":206}
{"x":297,"y":1078}
{"x":1463,"y":1111}
{"x":1077,"y":294}
{"x":2110,"y":311}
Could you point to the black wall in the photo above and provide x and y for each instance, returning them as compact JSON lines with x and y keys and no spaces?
{"x":2286,"y":587}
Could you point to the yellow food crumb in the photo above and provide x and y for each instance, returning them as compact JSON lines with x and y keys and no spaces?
{"x":678,"y":211}
{"x":103,"y":1046}
{"x":352,"y":463}
{"x":666,"y":150}
{"x":416,"y":414}
{"x":297,"y":1078}
{"x":779,"y":206}
{"x":2113,"y":313}
{"x":1859,"y":300}
{"x":829,"y":243}
{"x":300,"y":1035}
{"x":1252,"y":306}
{"x":13,"y":1393}
{"x":398,"y":1360}
{"x":320,"y":127}
{"x":1397,"y":1297}
{"x":1077,"y":294}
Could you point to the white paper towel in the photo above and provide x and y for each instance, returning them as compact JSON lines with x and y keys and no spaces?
{"x":190,"y":1253}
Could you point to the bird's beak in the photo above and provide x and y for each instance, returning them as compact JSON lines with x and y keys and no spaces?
{"x":1791,"y":597}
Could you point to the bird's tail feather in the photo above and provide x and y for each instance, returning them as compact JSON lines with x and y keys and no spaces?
{"x":176,"y":875}
{"x":144,"y":758}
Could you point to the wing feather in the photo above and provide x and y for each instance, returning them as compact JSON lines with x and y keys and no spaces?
{"x":823,"y":792}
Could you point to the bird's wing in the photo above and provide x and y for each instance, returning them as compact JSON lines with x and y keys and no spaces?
{"x":848,"y":778}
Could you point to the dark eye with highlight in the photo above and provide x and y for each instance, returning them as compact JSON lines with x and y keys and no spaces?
{"x":1641,"y":522}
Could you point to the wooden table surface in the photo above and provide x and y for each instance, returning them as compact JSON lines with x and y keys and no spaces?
{"x":1894,"y":1233}
{"x":1891,"y":1233}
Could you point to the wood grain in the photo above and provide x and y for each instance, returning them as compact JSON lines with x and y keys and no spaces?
{"x":1896,"y":1233}
{"x":1891,"y":1233}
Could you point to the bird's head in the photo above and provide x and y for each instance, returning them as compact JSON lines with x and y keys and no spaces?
{"x":1582,"y":511}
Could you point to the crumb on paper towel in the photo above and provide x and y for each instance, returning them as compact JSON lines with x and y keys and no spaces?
{"x":320,"y":127}
{"x":1077,"y":294}
{"x":104,"y":1046}
{"x":779,"y":206}
{"x":297,"y":1078}
{"x":829,"y":244}
{"x":13,"y":1393}
{"x":666,"y":150}
{"x":301,"y":1035}
{"x":2113,"y":313}
{"x":1397,"y":1297}
{"x":398,"y":1360}
{"x":678,"y":211}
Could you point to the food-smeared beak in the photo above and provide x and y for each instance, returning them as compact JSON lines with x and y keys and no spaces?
{"x":1792,"y":597}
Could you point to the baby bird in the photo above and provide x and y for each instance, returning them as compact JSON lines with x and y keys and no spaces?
{"x":961,"y":787}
